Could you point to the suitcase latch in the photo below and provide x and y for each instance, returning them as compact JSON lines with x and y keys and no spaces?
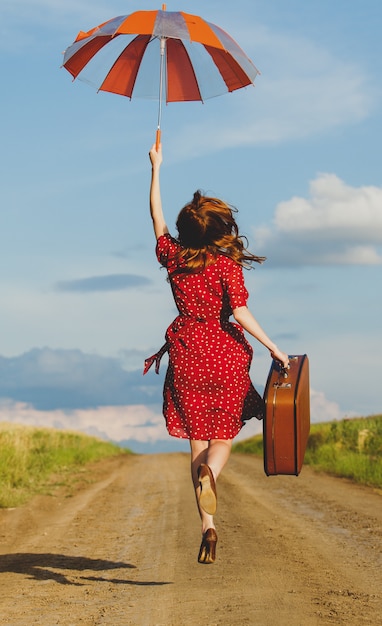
{"x":282,"y":385}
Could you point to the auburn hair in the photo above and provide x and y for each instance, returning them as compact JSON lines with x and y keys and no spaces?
{"x":206,"y":228}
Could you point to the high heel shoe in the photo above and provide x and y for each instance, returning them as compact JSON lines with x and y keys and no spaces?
{"x":207,"y":552}
{"x":208,"y":496}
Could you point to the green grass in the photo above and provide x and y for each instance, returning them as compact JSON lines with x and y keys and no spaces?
{"x":350,"y":448}
{"x":32,"y":460}
{"x":35,"y":460}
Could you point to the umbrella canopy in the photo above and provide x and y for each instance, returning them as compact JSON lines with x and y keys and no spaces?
{"x":156,"y":54}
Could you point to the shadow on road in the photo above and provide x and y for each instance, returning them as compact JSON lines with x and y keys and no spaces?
{"x":42,"y":567}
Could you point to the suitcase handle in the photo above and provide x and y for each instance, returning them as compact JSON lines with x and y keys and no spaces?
{"x":284,"y":371}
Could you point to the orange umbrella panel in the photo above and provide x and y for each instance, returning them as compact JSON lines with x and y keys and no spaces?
{"x":122,"y":56}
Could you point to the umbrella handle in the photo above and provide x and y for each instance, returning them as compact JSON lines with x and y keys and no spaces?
{"x":157,"y":141}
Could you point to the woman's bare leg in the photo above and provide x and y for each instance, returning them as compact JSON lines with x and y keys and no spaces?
{"x":199,"y":450}
{"x":218,"y":453}
{"x":215,"y":454}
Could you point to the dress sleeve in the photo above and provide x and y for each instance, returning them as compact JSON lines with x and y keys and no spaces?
{"x":165,"y":249}
{"x":235,"y":286}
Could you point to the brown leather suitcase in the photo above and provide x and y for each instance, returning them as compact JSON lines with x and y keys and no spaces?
{"x":287,"y":417}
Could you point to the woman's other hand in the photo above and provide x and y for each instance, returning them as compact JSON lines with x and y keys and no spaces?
{"x":280,"y":356}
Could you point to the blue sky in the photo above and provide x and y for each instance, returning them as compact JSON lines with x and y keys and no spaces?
{"x":83,"y":301}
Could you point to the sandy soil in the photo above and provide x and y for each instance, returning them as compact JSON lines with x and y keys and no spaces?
{"x":123,"y":550}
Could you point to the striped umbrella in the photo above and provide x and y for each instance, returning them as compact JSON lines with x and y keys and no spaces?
{"x":164,"y":55}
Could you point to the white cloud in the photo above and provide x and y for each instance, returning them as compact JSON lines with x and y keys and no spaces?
{"x":355,"y":255}
{"x":322,"y":409}
{"x":335,"y":207}
{"x":135,"y":423}
{"x":117,"y":423}
{"x":337,"y":224}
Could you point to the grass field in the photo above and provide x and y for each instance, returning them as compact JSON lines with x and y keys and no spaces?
{"x":350,"y":448}
{"x":36,"y":460}
{"x":33,"y":460}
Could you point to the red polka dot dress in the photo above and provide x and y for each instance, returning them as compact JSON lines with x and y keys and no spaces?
{"x":207,"y":391}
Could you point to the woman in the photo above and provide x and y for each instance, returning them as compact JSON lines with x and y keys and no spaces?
{"x":207,"y":393}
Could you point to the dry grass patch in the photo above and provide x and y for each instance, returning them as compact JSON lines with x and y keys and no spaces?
{"x":33,"y":459}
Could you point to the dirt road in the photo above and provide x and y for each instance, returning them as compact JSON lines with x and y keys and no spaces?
{"x":123,"y":551}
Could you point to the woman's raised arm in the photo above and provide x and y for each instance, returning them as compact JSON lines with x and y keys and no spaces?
{"x":156,"y":211}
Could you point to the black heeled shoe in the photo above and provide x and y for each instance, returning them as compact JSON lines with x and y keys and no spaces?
{"x":208,"y":496}
{"x":207,"y":552}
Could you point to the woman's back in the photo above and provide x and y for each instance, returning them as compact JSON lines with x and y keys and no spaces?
{"x":209,"y":293}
